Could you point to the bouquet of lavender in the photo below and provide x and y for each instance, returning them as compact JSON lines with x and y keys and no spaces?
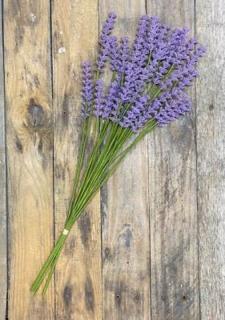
{"x":147,"y":89}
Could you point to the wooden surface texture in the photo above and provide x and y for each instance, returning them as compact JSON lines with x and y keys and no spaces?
{"x":151,"y":245}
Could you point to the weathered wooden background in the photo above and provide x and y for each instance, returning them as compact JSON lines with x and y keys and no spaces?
{"x":152,"y":244}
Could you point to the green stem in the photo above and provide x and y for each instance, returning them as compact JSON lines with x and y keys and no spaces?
{"x":100,"y":173}
{"x":81,"y":153}
{"x":91,"y":161}
{"x":52,"y":268}
{"x":107,"y":174}
{"x":45,"y":268}
{"x":98,"y":170}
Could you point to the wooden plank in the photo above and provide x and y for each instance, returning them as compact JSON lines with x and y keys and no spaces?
{"x":172,"y":193}
{"x":29,"y":150}
{"x":211,"y":153}
{"x":125,"y":228}
{"x":3,"y":222}
{"x":78,"y":276}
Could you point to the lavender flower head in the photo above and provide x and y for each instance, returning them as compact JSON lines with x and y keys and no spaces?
{"x":87,"y":89}
{"x":105,"y":41}
{"x":149,"y":78}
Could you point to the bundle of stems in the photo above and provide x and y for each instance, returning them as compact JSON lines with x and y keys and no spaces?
{"x":110,"y":147}
{"x":146,"y":90}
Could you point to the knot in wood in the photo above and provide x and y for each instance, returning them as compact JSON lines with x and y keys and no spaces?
{"x":36,"y":115}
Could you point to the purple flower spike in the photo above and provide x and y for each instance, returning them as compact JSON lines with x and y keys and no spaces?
{"x":124,"y":54}
{"x":113,"y":52}
{"x":87,"y":89}
{"x":112,"y":101}
{"x":136,"y":117}
{"x":99,"y":98}
{"x":119,"y":54}
{"x":173,"y":109}
{"x":140,"y":51}
{"x":105,"y":41}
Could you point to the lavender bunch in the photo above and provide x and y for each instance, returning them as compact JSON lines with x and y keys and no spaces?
{"x":147,"y":89}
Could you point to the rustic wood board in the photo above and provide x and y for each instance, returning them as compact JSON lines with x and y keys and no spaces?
{"x":211,"y":155}
{"x":29,"y":153}
{"x":158,"y":252}
{"x":172,"y":193}
{"x":78,"y":277}
{"x":3,"y":217}
{"x":125,"y":218}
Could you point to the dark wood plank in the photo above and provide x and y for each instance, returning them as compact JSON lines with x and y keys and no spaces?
{"x":172,"y":193}
{"x":29,"y":152}
{"x":3,"y":222}
{"x":125,"y":224}
{"x":211,"y":154}
{"x":78,"y":275}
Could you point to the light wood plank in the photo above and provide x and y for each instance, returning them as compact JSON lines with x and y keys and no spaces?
{"x":211,"y":155}
{"x":29,"y":150}
{"x":78,"y":276}
{"x":125,"y":224}
{"x":3,"y":222}
{"x":173,"y":210}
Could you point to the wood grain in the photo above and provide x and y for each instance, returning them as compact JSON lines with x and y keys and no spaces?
{"x":3,"y":217}
{"x":78,"y":276}
{"x":147,"y":266}
{"x":125,"y":224}
{"x":29,"y":151}
{"x":172,"y":193}
{"x":211,"y":154}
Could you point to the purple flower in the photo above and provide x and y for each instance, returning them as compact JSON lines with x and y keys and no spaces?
{"x":140,"y":50}
{"x":135,"y":117}
{"x":113,"y":53}
{"x":173,"y":107}
{"x":105,"y":41}
{"x":128,"y":88}
{"x":149,"y":78}
{"x":99,"y":98}
{"x":87,"y":89}
{"x":112,"y":101}
{"x":119,"y":54}
{"x":124,"y":54}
